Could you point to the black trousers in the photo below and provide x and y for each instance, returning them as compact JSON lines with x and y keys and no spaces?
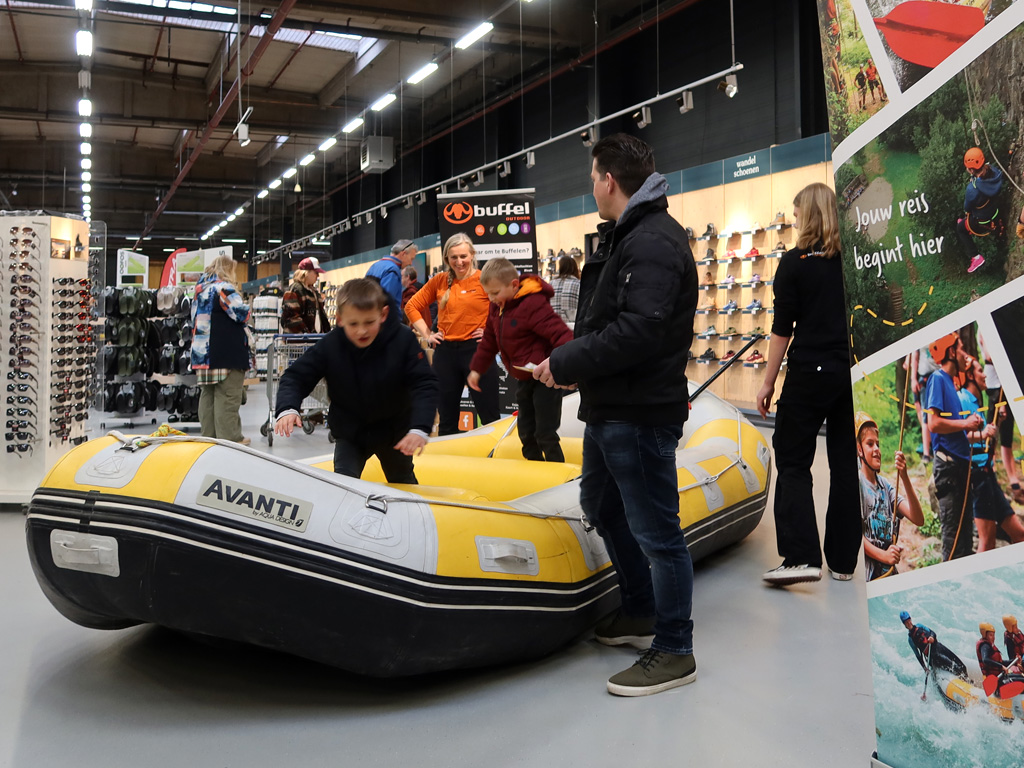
{"x":540,"y":416}
{"x":951,"y":476}
{"x":451,"y":364}
{"x":350,"y":458}
{"x":810,"y":398}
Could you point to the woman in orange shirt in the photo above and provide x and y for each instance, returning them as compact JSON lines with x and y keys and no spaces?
{"x":462,"y":307}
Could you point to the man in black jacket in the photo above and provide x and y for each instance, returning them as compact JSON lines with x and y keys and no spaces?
{"x":638,"y":296}
{"x":383,"y":392}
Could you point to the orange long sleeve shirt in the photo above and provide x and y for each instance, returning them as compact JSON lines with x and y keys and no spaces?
{"x":465,"y":312}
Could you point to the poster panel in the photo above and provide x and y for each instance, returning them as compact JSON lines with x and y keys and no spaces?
{"x":930,"y":197}
{"x":189,"y":265}
{"x":132,"y":268}
{"x":500,"y":223}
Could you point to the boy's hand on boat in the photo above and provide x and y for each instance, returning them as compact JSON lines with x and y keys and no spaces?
{"x":285,"y":424}
{"x":411,"y":445}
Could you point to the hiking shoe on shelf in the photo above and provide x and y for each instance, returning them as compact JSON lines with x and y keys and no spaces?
{"x":759,"y":331}
{"x":779,"y":248}
{"x":730,"y":306}
{"x":728,"y":355}
{"x":752,"y":253}
{"x":780,"y":218}
{"x":689,"y":232}
{"x":730,"y":331}
{"x":710,"y":231}
{"x":709,"y":255}
{"x":709,"y":306}
{"x":708,"y":279}
{"x":709,"y":354}
{"x":755,"y":357}
{"x":840,"y":576}
{"x":709,"y":331}
{"x":755,"y":305}
{"x":729,"y":255}
{"x":619,"y":629}
{"x":785,"y":575}
{"x":755,"y":279}
{"x":655,"y":671}
{"x":729,"y":281}
{"x":976,"y":262}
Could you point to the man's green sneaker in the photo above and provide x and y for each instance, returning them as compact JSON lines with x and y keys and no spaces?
{"x":619,"y":629}
{"x":654,"y":672}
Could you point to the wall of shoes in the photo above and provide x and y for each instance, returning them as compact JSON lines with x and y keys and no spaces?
{"x":49,"y":350}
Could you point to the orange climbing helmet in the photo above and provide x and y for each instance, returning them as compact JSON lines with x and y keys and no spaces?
{"x":941,"y":346}
{"x":974,"y":158}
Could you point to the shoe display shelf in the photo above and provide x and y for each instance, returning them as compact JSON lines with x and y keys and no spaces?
{"x":49,"y":350}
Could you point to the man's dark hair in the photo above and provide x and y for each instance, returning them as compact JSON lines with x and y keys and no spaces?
{"x":410,"y":272}
{"x":628,"y":159}
{"x":362,"y":293}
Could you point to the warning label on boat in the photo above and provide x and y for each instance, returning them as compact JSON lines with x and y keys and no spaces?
{"x":254,"y":503}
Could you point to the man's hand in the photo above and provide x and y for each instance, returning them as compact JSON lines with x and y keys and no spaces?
{"x":411,"y":445}
{"x":542,"y":373}
{"x":764,"y":399}
{"x":973,"y":422}
{"x":473,"y":381}
{"x":285,"y":424}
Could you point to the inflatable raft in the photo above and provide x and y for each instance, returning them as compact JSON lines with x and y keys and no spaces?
{"x":488,"y":561}
{"x":958,"y":691}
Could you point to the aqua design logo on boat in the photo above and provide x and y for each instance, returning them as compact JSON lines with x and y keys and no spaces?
{"x":254,"y":503}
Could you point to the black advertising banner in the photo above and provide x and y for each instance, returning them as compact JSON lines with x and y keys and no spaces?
{"x":926,"y":119}
{"x":499,"y":224}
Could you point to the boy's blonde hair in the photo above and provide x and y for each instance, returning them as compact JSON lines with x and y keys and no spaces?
{"x":499,"y":269}
{"x":362,"y":293}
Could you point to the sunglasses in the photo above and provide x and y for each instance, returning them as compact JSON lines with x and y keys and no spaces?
{"x":19,"y":447}
{"x":16,"y":289}
{"x":21,"y":400}
{"x":22,"y":338}
{"x":15,"y":351}
{"x":18,"y":425}
{"x":13,"y":375}
{"x":20,"y":413}
{"x":26,"y":230}
{"x":68,"y":315}
{"x":83,"y":281}
{"x":20,"y":362}
{"x":21,"y":302}
{"x":66,"y":291}
{"x":20,"y":388}
{"x":14,"y":266}
{"x":24,"y":243}
{"x":21,"y":314}
{"x":23,"y":279}
{"x":10,"y":437}
{"x":66,"y":418}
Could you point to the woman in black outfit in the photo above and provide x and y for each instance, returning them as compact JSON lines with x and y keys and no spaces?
{"x":810,"y":320}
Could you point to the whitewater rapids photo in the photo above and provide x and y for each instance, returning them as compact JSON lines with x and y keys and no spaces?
{"x":938,"y":713}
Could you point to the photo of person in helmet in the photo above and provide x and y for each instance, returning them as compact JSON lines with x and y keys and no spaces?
{"x":921,"y":640}
{"x":882,"y":507}
{"x":1013,"y":638}
{"x":981,"y":211}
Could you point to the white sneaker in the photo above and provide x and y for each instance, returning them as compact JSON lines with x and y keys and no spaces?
{"x":785,"y":575}
{"x":840,"y":576}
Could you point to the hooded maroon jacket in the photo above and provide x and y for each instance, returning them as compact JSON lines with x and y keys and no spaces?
{"x":524,"y":331}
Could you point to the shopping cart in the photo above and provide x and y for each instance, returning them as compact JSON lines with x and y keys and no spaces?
{"x":285,"y":349}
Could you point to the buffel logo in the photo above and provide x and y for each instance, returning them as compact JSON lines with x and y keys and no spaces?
{"x":458,"y":213}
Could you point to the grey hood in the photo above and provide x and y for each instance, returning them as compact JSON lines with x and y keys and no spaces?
{"x":654,"y":187}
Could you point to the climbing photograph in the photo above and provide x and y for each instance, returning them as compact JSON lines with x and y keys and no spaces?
{"x":928,"y":210}
{"x":918,"y":35}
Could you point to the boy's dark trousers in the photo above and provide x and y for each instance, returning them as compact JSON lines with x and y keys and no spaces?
{"x":350,"y":458}
{"x":540,"y":415}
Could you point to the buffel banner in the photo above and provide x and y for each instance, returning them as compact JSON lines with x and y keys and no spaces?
{"x":499,"y":223}
{"x":926,"y":112}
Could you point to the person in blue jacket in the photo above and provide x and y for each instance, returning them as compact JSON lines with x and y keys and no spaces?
{"x":981,"y":212}
{"x":921,"y":640}
{"x":388,"y":271}
{"x":383,"y":391}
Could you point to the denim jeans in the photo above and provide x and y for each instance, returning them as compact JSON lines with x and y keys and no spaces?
{"x":629,"y":492}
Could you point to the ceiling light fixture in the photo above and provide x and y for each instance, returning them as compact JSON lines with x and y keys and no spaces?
{"x":83,"y":5}
{"x":421,"y":198}
{"x":242,"y":129}
{"x":84,"y":130}
{"x":263,"y":193}
{"x":297,"y":188}
{"x":232,"y":217}
{"x":505,"y":169}
{"x":382,"y":102}
{"x":369,"y":217}
{"x":84,"y":107}
{"x":289,"y":173}
{"x":422,"y":74}
{"x":383,"y":212}
{"x":462,"y":184}
{"x":86,"y":148}
{"x":307,"y":160}
{"x":530,"y":159}
{"x":86,"y":163}
{"x":239,"y":211}
{"x":588,"y":137}
{"x":87,"y":187}
{"x":83,"y":42}
{"x":478,"y":179}
{"x":86,"y":200}
{"x":408,"y":202}
{"x":274,"y":184}
{"x":475,"y":35}
{"x":685,"y":102}
{"x":729,"y":86}
{"x":327,"y":144}
{"x":642,"y":117}
{"x":86,"y":176}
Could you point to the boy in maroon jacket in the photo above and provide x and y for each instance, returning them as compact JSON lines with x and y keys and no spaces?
{"x":523,"y":327}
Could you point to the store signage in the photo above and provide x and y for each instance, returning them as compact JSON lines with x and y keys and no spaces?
{"x":501,"y":223}
{"x":132,"y":268}
{"x":923,"y":129}
{"x":189,"y":265}
{"x":748,"y":166}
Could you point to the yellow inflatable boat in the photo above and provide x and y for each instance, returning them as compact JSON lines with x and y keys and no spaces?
{"x":489,"y":560}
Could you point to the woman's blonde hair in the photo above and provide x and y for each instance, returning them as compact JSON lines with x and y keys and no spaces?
{"x":819,"y":220}
{"x":459,"y":238}
{"x":300,"y":276}
{"x":222,"y":267}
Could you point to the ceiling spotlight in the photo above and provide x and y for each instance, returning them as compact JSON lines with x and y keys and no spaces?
{"x":84,"y":130}
{"x":588,"y":137}
{"x":357,"y":220}
{"x":86,"y":148}
{"x":84,"y":107}
{"x":85,"y":188}
{"x":463,"y":185}
{"x":86,"y":200}
{"x":685,"y":102}
{"x":83,"y":5}
{"x":478,"y":179}
{"x":83,"y":42}
{"x":86,"y":163}
{"x":421,"y":198}
{"x":242,"y":129}
{"x":505,"y":169}
{"x":86,"y":176}
{"x":408,"y":202}
{"x":530,"y":159}
{"x":232,"y":217}
{"x":383,"y":212}
{"x":369,"y":217}
{"x":642,"y":117}
{"x":298,"y":187}
{"x":346,"y":225}
{"x":729,"y":86}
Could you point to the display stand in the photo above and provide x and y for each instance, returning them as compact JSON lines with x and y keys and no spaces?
{"x":49,"y":356}
{"x":266,"y":314}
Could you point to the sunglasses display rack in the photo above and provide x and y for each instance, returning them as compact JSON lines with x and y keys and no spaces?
{"x":48,"y":353}
{"x":266,"y":320}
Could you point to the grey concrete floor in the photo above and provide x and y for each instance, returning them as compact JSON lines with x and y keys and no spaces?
{"x":783,"y":680}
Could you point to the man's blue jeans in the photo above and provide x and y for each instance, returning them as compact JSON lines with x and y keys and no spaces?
{"x":629,"y":492}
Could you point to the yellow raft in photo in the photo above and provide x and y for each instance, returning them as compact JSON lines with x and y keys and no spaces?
{"x":488,"y":561}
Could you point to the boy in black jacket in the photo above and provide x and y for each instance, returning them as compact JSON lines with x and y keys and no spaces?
{"x":383,"y":392}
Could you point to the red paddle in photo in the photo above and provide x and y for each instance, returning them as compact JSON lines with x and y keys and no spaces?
{"x":925,"y":32}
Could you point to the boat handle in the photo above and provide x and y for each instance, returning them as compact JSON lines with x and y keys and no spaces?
{"x":82,"y":553}
{"x":377,"y":503}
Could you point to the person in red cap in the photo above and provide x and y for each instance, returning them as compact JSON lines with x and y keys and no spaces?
{"x":302,"y":306}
